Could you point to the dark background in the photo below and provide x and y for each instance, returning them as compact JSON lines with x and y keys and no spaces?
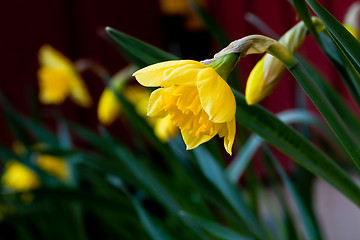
{"x":74,"y":27}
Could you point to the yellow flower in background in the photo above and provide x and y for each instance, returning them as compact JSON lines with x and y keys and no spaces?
{"x":58,"y":79}
{"x":268,"y":71}
{"x":54,"y":166}
{"x":19,"y":177}
{"x":195,"y":96}
{"x":109,"y":109}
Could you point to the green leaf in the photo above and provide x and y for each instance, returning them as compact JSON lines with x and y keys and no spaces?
{"x":22,"y":125}
{"x":335,"y":99}
{"x":263,"y":123}
{"x":138,"y":52}
{"x":304,"y":216}
{"x":303,"y":11}
{"x":214,"y":228}
{"x":152,"y":228}
{"x":334,"y":120}
{"x":217,"y":177}
{"x":338,"y":32}
{"x":236,"y":168}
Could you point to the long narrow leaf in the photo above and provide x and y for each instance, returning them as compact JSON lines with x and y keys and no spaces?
{"x":304,"y":216}
{"x":295,"y":146}
{"x":138,"y":52}
{"x":236,"y":168}
{"x":338,"y":31}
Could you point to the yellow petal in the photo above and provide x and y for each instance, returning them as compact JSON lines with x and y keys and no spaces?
{"x":216,"y":96}
{"x":192,"y":141}
{"x":54,"y":85}
{"x":52,"y":58}
{"x":254,"y":84}
{"x":154,"y":110}
{"x":109,"y":108}
{"x":153,"y":75}
{"x":78,"y":91}
{"x":184,"y":76}
{"x":164,"y":129}
{"x":230,"y":136}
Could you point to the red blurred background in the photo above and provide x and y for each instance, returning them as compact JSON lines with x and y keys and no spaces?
{"x":73,"y":28}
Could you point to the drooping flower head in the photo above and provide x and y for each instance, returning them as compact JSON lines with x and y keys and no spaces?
{"x":58,"y":79}
{"x":195,"y":97}
{"x":269,"y":70}
{"x":110,"y":108}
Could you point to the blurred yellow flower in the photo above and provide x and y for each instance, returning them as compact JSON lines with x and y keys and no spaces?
{"x":195,"y":96}
{"x":59,"y":79}
{"x":54,"y":166}
{"x":19,"y":177}
{"x":109,"y":109}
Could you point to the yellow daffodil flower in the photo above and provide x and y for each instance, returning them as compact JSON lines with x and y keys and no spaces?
{"x":269,"y":70}
{"x":195,"y":96}
{"x":59,"y":79}
{"x":19,"y":177}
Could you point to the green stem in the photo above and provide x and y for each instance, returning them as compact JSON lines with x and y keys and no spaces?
{"x":328,"y":112}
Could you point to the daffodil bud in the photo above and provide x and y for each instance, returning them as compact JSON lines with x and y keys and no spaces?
{"x":109,"y":107}
{"x":352,"y":20}
{"x":269,"y":70}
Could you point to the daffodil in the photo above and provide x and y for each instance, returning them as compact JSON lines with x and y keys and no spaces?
{"x":269,"y":70}
{"x":195,"y":96}
{"x":58,"y":79}
{"x":19,"y":177}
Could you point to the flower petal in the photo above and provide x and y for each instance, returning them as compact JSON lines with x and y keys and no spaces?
{"x":230,"y":136}
{"x":54,"y":85}
{"x":216,"y":96}
{"x":52,"y":58}
{"x":254,"y":83}
{"x":109,"y":108}
{"x":184,"y":76}
{"x":153,"y":75}
{"x":154,"y":109}
{"x":192,"y":141}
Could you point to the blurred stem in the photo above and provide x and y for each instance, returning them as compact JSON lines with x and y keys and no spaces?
{"x":83,"y":65}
